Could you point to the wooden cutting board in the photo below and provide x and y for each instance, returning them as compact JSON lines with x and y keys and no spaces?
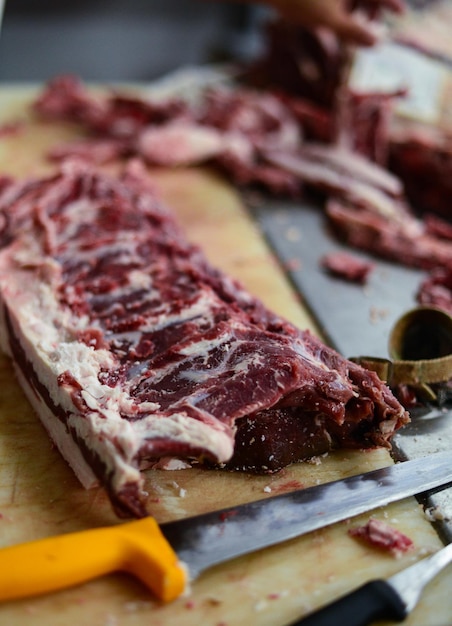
{"x":40,"y":497}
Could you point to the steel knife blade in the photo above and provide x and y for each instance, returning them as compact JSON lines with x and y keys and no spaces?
{"x":167,"y":557}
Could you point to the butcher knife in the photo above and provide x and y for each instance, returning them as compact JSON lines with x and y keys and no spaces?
{"x":393,"y":598}
{"x":167,"y":557}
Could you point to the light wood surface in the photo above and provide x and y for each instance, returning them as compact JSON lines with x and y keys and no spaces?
{"x":40,"y":497}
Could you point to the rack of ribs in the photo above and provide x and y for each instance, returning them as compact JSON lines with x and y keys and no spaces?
{"x":133,"y":350}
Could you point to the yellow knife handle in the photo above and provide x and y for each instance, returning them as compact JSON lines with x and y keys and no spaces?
{"x":137,"y":547}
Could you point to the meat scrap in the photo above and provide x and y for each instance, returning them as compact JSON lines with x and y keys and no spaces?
{"x":347,"y":266}
{"x":421,"y":156}
{"x":366,"y":206}
{"x":304,"y":62}
{"x":364,"y":120}
{"x":118,"y":115}
{"x":339,"y":173}
{"x":11,"y":128}
{"x":381,"y":535}
{"x":436,"y":289}
{"x":438,"y":227}
{"x":405,"y":241}
{"x":133,"y":349}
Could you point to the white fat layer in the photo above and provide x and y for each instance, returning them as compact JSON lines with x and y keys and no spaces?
{"x":201,"y":307}
{"x":162,"y":318}
{"x":122,"y":250}
{"x":75,"y":214}
{"x":59,"y":435}
{"x":47,"y":334}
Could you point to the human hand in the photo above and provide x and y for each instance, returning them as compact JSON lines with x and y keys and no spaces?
{"x":336,"y":16}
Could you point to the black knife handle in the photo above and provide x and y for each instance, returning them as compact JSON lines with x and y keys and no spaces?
{"x":374,"y":600}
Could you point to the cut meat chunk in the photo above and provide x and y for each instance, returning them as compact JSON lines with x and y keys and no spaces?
{"x":96,"y":151}
{"x":436,"y":289}
{"x":438,"y":227}
{"x":305,"y":62}
{"x":133,"y":349}
{"x":353,"y":165}
{"x":341,"y":173}
{"x":404,"y":241}
{"x":120,"y":116}
{"x":363,"y":122}
{"x":179,"y":144}
{"x":383,"y":536}
{"x":347,"y":266}
{"x":421,"y":156}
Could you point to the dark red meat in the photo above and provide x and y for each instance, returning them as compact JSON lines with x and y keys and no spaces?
{"x":402,"y":239}
{"x":347,"y":266}
{"x":118,"y":115}
{"x":436,"y":289}
{"x":422,"y":157}
{"x":383,"y":536}
{"x":303,"y":62}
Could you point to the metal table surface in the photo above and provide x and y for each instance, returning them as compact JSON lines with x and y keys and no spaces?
{"x":356,"y":320}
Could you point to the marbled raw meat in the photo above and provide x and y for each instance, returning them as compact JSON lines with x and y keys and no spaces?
{"x":133,"y":349}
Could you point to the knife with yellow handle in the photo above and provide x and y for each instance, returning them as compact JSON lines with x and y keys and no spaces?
{"x":66,"y":560}
{"x":167,"y":557}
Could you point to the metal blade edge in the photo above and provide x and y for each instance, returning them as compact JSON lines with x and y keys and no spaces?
{"x":205,"y":540}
